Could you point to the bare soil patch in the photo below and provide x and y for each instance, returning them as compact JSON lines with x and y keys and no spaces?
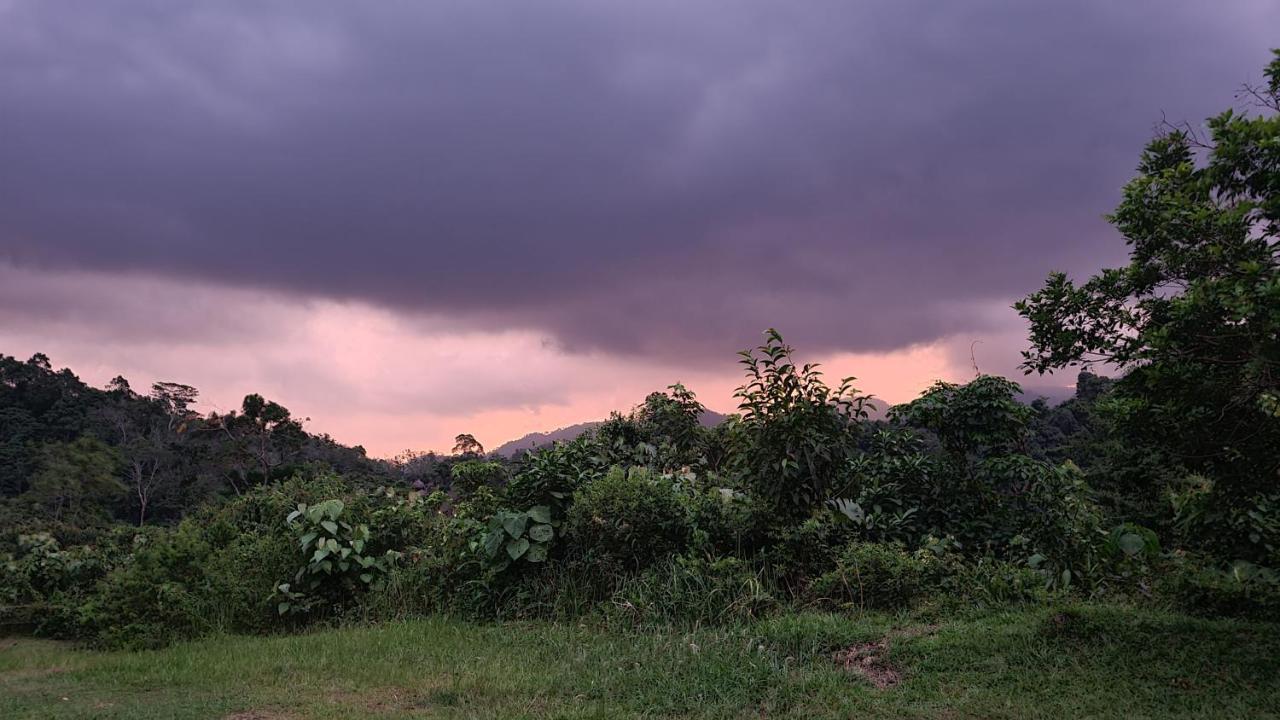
{"x":870,"y":661}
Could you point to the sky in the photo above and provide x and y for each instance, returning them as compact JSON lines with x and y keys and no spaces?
{"x":408,"y":220}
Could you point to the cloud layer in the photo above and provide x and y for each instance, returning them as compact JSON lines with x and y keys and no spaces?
{"x":637,"y":185}
{"x":659,"y":178}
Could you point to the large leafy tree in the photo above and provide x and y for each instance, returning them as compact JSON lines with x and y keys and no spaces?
{"x":151,"y":436}
{"x":1193,"y":321}
{"x":257,"y":444}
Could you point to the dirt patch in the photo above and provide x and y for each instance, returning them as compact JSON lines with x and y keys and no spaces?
{"x":869,"y":659}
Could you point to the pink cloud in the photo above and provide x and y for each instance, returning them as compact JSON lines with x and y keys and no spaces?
{"x":367,"y":375}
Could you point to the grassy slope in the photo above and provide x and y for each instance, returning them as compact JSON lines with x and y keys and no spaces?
{"x":1090,"y":661}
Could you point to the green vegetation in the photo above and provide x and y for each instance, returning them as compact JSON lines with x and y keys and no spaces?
{"x":1077,"y":661}
{"x":709,"y":572}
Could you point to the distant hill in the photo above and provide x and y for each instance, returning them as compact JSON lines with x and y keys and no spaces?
{"x":1054,"y":394}
{"x":538,"y":439}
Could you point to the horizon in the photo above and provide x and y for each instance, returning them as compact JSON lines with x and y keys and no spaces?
{"x":406,"y":223}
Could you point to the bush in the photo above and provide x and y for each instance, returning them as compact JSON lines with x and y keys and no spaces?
{"x":159,"y":594}
{"x":42,"y":585}
{"x":1058,"y":530}
{"x":471,"y":475}
{"x":630,"y":518}
{"x":549,"y":476}
{"x":721,"y":520}
{"x":1243,"y":590}
{"x":217,"y":570}
{"x":799,"y":554}
{"x":515,"y":536}
{"x":339,"y":562}
{"x":440,"y":572}
{"x":991,"y":582}
{"x":878,"y":576}
{"x":796,"y":434}
{"x":691,"y":591}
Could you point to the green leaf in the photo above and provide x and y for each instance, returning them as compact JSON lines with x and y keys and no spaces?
{"x":515,"y":524}
{"x":516,"y":548}
{"x":1131,"y":543}
{"x":492,"y":542}
{"x":331,"y":526}
{"x":540,"y":514}
{"x":541,"y":533}
{"x":537,"y":553}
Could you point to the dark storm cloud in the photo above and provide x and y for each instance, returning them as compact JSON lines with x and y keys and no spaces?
{"x":657,"y":178}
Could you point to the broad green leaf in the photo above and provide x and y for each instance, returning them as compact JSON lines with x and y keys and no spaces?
{"x":516,"y":548}
{"x":1131,"y":543}
{"x":493,"y":541}
{"x":540,"y":514}
{"x":541,"y":533}
{"x":515,"y":524}
{"x":537,"y":553}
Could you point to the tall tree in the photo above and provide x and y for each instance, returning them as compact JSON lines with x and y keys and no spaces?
{"x":466,"y":444}
{"x":263,"y":437}
{"x":1193,"y":320}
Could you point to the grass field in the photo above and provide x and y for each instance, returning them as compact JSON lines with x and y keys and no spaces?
{"x":1079,"y":661}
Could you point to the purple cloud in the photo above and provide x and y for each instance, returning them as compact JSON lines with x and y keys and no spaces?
{"x":662,"y":179}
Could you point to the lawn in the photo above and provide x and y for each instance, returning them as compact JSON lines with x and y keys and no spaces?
{"x":1078,"y":661}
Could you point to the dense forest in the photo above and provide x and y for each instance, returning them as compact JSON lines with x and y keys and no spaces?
{"x":129,"y":519}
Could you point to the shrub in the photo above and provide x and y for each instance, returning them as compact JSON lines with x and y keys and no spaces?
{"x":470,"y":475}
{"x":1231,"y":528}
{"x":1243,"y":590}
{"x":440,"y":572}
{"x":721,"y":520}
{"x":42,"y":585}
{"x":1058,"y":529}
{"x":690,"y":591}
{"x":339,"y":564}
{"x":796,"y":434}
{"x":991,"y":582}
{"x":522,"y":537}
{"x":157,"y":595}
{"x":798,"y":554}
{"x":629,"y":517}
{"x":879,"y":576}
{"x":549,"y":476}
